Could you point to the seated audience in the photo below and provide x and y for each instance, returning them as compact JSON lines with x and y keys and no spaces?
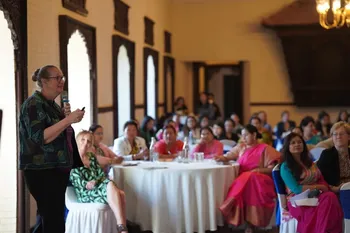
{"x":147,"y":129}
{"x":161,"y":120}
{"x":130,"y":146}
{"x":180,"y":106}
{"x":190,"y":128}
{"x":215,"y":115}
{"x":323,"y":125}
{"x":218,"y":130}
{"x":343,"y":116}
{"x":160,"y":132}
{"x":263,"y":117}
{"x":238,"y":127}
{"x":91,"y":184}
{"x":208,"y":107}
{"x":297,"y":130}
{"x":299,"y":173}
{"x":307,"y":124}
{"x":230,"y":131}
{"x":334,"y":163}
{"x":266,"y":136}
{"x":203,"y":121}
{"x":168,"y":147}
{"x":283,"y":127}
{"x":208,"y":144}
{"x":104,"y":155}
{"x":250,"y":198}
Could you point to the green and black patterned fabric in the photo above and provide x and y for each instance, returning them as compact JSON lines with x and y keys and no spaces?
{"x":81,"y":176}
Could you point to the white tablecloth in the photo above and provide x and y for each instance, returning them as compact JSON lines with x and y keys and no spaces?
{"x":179,"y":198}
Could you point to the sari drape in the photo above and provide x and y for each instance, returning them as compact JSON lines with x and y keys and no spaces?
{"x":251,"y":195}
{"x":324,"y":218}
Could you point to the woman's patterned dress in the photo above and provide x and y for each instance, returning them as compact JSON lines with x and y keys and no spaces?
{"x":82,"y":175}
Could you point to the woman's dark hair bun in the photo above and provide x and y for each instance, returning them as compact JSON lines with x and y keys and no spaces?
{"x":259,"y":135}
{"x":252,"y":129}
{"x":35,"y":75}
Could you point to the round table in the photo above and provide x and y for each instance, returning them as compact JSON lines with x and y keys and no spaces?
{"x":170,"y":197}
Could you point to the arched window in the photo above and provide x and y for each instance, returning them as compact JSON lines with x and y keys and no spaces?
{"x":78,"y":63}
{"x":8,"y":142}
{"x":79,"y":84}
{"x":123,"y":57}
{"x":151,"y":88}
{"x":124,"y":104}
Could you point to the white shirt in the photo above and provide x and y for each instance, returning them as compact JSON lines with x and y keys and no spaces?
{"x":122,"y":147}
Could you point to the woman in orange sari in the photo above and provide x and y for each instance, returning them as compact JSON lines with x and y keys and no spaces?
{"x":250,"y":198}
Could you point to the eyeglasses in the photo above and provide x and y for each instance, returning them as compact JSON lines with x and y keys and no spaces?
{"x":59,"y":78}
{"x":338,"y":134}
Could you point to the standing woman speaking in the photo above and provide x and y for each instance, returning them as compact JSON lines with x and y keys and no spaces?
{"x":48,"y":150}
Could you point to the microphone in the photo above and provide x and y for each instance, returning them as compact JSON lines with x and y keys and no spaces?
{"x":64,"y":97}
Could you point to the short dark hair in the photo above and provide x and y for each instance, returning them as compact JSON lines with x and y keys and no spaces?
{"x":230,"y":120}
{"x":322,"y":115}
{"x":169,"y":127}
{"x":252,"y":129}
{"x":284,"y":112}
{"x":207,"y":128}
{"x":254,"y":118}
{"x":94,"y":127}
{"x":130,"y":122}
{"x":306,"y":120}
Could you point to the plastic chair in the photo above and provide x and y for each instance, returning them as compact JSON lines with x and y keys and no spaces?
{"x":228,"y":144}
{"x":88,"y":217}
{"x":316,"y":153}
{"x":285,"y":226}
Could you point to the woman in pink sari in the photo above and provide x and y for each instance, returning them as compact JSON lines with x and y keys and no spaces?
{"x":208,"y":144}
{"x":250,"y":198}
{"x":299,"y":173}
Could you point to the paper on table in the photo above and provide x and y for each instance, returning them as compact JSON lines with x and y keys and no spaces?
{"x":303,"y":200}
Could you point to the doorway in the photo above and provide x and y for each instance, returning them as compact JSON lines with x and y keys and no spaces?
{"x":226,"y":83}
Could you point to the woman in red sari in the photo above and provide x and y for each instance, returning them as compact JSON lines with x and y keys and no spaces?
{"x":250,"y":198}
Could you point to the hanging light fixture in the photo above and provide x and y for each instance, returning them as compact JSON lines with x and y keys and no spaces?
{"x":333,"y":13}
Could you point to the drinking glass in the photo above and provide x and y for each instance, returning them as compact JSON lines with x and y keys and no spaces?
{"x":200,"y":157}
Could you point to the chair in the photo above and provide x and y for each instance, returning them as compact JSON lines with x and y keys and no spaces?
{"x":285,"y":226}
{"x":316,"y":153}
{"x":88,"y":217}
{"x":228,"y":144}
{"x":345,"y":204}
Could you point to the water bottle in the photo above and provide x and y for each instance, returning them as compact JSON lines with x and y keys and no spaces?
{"x":186,"y":151}
{"x":151,"y":150}
{"x":190,"y":135}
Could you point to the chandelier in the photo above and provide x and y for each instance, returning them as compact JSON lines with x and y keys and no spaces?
{"x":333,"y":13}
